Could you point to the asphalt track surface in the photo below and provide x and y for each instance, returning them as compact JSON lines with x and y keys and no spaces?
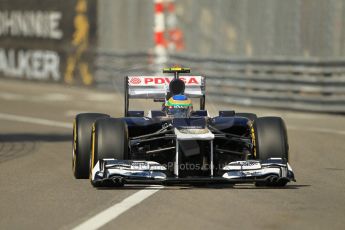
{"x":38,"y":191}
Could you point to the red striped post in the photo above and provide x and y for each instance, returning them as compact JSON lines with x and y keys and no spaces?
{"x":159,"y":35}
{"x":175,"y":35}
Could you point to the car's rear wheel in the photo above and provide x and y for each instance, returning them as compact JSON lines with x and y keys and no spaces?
{"x":82,"y":143}
{"x":109,"y":140}
{"x":250,"y":116}
{"x":270,"y":141}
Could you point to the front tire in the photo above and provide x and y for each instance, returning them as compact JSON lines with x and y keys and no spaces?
{"x":109,"y":140}
{"x":270,"y":141}
{"x":82,"y":143}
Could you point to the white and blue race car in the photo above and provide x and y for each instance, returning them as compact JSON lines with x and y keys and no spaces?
{"x":178,"y":144}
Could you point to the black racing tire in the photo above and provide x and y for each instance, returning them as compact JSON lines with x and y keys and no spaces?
{"x":271,"y":138}
{"x":270,"y":141}
{"x":250,"y":116}
{"x":109,"y":140}
{"x":82,"y":143}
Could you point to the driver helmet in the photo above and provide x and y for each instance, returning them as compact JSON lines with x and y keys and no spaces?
{"x":179,"y":106}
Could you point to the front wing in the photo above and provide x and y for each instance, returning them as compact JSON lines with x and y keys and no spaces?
{"x":108,"y":172}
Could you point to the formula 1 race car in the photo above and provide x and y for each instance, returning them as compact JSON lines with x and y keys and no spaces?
{"x":177,"y":144}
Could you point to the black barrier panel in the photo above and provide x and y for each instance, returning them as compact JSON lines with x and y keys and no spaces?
{"x":48,"y":40}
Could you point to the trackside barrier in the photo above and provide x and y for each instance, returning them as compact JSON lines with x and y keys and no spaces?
{"x":310,"y":85}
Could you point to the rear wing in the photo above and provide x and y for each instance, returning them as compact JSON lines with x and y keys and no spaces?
{"x":157,"y":87}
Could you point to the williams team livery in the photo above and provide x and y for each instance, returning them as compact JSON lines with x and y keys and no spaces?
{"x":179,"y":143}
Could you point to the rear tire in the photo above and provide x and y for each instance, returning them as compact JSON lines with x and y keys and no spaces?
{"x":82,"y":143}
{"x":250,"y":116}
{"x":270,"y":141}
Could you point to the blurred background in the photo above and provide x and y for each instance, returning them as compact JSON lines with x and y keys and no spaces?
{"x":283,"y":54}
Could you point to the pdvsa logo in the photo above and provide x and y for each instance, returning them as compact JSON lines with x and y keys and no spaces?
{"x":166,"y":80}
{"x":135,"y":81}
{"x":155,"y":80}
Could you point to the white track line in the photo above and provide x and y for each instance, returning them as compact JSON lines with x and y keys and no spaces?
{"x":116,"y":210}
{"x":39,"y":121}
{"x":107,"y":215}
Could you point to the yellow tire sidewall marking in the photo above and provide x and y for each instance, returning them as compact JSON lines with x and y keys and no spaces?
{"x":252,"y":133}
{"x":93,"y":140}
{"x":74,"y":157}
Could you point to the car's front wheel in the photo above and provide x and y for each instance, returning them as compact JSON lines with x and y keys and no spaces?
{"x":109,"y":140}
{"x":270,"y":140}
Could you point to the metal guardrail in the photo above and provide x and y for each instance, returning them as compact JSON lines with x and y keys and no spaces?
{"x":311,"y":85}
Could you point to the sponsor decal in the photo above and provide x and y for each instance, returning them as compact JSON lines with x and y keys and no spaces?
{"x":30,"y":64}
{"x":37,"y":24}
{"x":139,"y":165}
{"x":135,"y":80}
{"x":156,"y":80}
{"x":48,"y":41}
{"x":251,"y":173}
{"x":245,"y":163}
